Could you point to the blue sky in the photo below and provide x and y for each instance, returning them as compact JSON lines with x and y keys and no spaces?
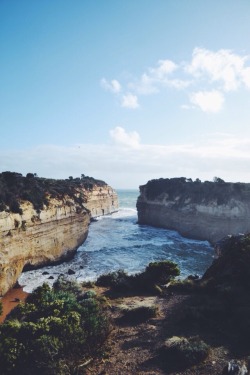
{"x":125,"y":91}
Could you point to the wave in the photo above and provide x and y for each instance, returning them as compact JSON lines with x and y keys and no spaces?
{"x":123,"y":212}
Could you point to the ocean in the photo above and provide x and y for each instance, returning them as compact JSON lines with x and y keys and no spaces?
{"x":117,"y":242}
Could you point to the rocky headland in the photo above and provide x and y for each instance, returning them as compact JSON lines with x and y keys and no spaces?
{"x":44,"y":221}
{"x":201,"y":210}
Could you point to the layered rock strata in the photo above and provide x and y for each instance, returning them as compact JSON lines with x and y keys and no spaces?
{"x":36,"y":238}
{"x":199,"y":210}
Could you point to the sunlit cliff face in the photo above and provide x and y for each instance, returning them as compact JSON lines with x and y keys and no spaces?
{"x":33,"y":239}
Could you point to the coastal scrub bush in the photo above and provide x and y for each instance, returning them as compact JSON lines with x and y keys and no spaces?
{"x":1,"y":308}
{"x":155,"y":274}
{"x":160,"y":272}
{"x":117,"y":280}
{"x":180,"y":352}
{"x":139,"y":314}
{"x":52,"y":333}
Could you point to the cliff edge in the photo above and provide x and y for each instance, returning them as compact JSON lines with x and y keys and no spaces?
{"x":43,"y":221}
{"x":200,"y":210}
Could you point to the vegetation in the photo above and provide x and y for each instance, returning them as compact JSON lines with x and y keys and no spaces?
{"x":14,"y":188}
{"x":180,"y":352}
{"x":220,"y":301}
{"x":155,"y":275}
{"x":1,"y":308}
{"x":60,"y":329}
{"x":55,"y":332}
{"x":182,"y":189}
{"x":139,"y":314}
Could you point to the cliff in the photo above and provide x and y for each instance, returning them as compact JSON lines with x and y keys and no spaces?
{"x":199,"y":210}
{"x":44,"y":221}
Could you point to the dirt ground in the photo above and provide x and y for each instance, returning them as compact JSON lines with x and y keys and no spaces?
{"x":132,"y":349}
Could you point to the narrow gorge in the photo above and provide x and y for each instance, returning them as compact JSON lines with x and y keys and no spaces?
{"x":44,"y":221}
{"x":200,"y":210}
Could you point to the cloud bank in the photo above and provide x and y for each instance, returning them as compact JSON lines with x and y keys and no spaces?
{"x":128,"y":163}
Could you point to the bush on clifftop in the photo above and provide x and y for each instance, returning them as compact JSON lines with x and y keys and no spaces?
{"x":14,"y":188}
{"x":181,"y":189}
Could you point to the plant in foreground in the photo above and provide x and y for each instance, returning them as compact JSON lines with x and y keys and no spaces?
{"x":52,"y":333}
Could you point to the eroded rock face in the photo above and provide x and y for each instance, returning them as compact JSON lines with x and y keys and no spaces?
{"x":231,"y":268}
{"x":33,"y":239}
{"x":205,"y":211}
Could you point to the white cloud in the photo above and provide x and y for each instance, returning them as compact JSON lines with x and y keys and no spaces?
{"x":145,"y":86}
{"x":113,"y":86}
{"x":130,"y":101}
{"x":208,"y":101}
{"x":178,"y":84}
{"x":164,"y":68}
{"x":155,"y":78}
{"x":209,"y":73}
{"x":246,"y":77}
{"x":121,"y":137}
{"x":220,"y":66}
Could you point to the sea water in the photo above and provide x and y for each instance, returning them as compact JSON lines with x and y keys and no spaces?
{"x":117,"y":242}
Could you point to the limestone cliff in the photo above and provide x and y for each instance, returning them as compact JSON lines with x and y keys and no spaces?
{"x":200,"y":210}
{"x":35,"y":237}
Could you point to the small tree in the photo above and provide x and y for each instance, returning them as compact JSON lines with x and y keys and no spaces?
{"x":30,"y":175}
{"x":219,"y":180}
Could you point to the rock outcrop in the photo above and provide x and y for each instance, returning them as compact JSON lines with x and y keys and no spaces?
{"x":199,"y":210}
{"x":32,"y":238}
{"x":231,"y":268}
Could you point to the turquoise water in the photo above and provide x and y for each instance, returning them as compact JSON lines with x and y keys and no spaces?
{"x":127,"y":198}
{"x":117,"y":242}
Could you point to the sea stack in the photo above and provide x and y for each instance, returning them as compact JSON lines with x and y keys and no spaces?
{"x":44,"y":221}
{"x":200,"y":210}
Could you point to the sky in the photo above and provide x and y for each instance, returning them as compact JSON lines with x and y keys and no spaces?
{"x":125,"y":91}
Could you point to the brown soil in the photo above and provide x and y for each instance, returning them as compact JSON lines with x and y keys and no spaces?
{"x":132,"y":349}
{"x":10,"y":300}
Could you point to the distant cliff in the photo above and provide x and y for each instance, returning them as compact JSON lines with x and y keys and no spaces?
{"x":201,"y":210}
{"x":43,"y":221}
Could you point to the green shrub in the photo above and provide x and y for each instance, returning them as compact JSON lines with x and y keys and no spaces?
{"x":139,"y":314}
{"x":63,"y":284}
{"x":111,"y":279}
{"x":51,"y":333}
{"x":160,"y":272}
{"x":180,"y":352}
{"x":147,"y":281}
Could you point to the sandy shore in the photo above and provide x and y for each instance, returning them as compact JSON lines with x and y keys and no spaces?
{"x":11,"y":300}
